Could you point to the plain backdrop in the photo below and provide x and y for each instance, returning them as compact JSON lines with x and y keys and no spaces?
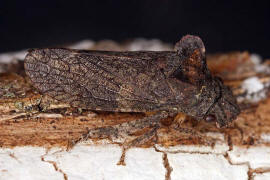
{"x":223,"y":25}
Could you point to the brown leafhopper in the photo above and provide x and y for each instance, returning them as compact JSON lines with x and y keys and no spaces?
{"x":166,"y":82}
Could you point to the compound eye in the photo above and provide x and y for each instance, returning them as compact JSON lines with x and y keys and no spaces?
{"x":210,"y":118}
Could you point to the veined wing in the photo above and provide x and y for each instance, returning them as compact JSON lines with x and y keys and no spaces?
{"x":100,"y":80}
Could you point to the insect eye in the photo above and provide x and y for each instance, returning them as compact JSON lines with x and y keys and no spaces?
{"x":210,"y":118}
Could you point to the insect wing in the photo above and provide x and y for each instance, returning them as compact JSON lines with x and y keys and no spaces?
{"x":108,"y":81}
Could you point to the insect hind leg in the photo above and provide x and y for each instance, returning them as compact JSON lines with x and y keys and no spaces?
{"x":126,"y":128}
{"x":136,"y":142}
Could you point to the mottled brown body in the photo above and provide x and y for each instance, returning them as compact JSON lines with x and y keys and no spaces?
{"x":166,"y":82}
{"x":176,"y":81}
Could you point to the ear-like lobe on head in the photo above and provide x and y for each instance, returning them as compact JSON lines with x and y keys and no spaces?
{"x":191,"y":51}
{"x":188,"y":44}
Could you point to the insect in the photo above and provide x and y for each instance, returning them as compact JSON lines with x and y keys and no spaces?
{"x":166,"y":82}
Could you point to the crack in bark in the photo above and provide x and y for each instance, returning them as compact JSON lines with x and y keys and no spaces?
{"x":251,"y":172}
{"x":227,"y":157}
{"x":187,"y":152}
{"x":55,"y":166}
{"x":260,"y":170}
{"x":167,"y":166}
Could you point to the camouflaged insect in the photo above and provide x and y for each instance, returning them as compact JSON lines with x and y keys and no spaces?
{"x":166,"y":82}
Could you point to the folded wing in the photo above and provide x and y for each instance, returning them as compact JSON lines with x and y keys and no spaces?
{"x":108,"y":81}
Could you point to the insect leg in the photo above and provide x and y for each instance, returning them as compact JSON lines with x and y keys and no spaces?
{"x":193,"y":133}
{"x":124,"y":128}
{"x":142,"y":139}
{"x":136,"y":142}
